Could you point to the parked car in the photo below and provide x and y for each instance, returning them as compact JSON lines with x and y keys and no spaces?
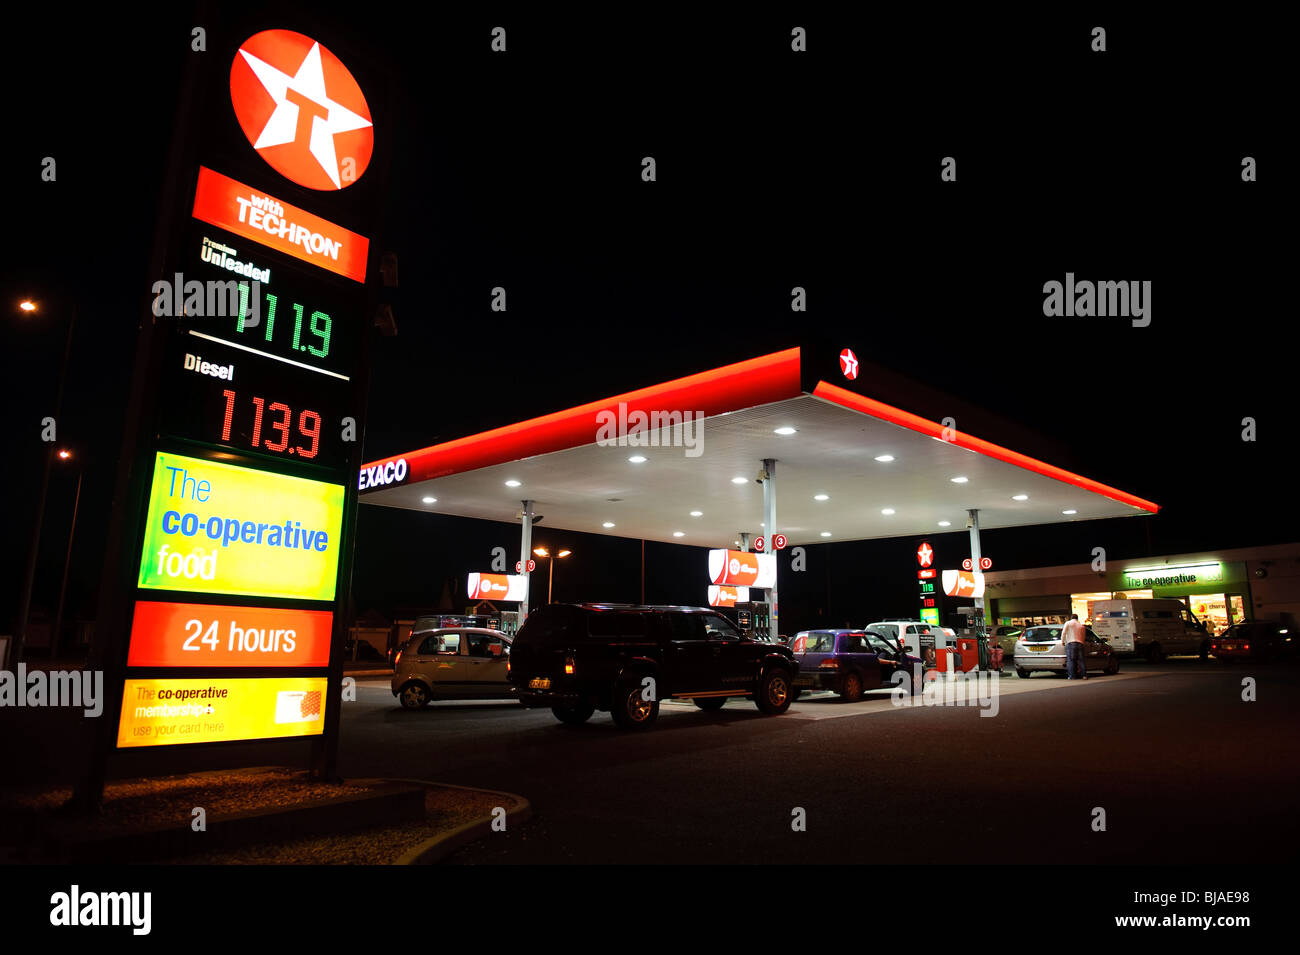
{"x":452,"y":663}
{"x":847,"y":662}
{"x":1041,"y":648}
{"x":579,"y":658}
{"x":1253,"y":640}
{"x":1151,"y":627}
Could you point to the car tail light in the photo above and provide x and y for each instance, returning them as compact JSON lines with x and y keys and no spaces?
{"x":1246,"y":647}
{"x":568,"y":665}
{"x":397,"y":659}
{"x":828,"y":665}
{"x":507,"y":666}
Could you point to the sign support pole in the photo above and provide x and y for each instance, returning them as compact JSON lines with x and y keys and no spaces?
{"x":526,"y":549}
{"x":973,"y":524}
{"x":769,"y":518}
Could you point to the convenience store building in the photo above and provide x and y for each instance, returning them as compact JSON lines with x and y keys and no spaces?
{"x":1221,"y":587}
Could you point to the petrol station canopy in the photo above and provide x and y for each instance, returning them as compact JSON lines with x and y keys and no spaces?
{"x":854,"y":467}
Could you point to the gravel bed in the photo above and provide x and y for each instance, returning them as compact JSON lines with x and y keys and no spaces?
{"x":446,"y":808}
{"x":145,"y":802}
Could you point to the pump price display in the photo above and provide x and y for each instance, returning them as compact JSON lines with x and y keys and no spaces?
{"x":190,"y":635}
{"x":164,"y":712}
{"x":218,"y":393}
{"x":281,"y":315}
{"x":221,"y":529}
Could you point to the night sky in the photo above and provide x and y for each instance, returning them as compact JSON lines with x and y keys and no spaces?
{"x":774,"y":170}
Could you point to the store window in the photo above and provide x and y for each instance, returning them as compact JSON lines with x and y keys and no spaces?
{"x":1033,"y":620}
{"x":1082,"y":604}
{"x":1212,"y":610}
{"x":1237,"y":607}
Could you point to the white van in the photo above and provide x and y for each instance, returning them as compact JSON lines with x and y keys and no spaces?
{"x":919,"y":638}
{"x":1152,"y":627}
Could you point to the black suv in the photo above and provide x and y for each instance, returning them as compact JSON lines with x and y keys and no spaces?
{"x":578,"y":658}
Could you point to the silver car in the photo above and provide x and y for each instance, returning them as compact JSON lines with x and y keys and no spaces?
{"x":453,"y":663}
{"x":1041,"y":648}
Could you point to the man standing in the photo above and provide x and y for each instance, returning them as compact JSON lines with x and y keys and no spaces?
{"x":1073,"y":636}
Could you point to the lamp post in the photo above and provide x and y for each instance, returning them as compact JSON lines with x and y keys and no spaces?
{"x":29,"y":307}
{"x":66,"y":455}
{"x":550,"y":566}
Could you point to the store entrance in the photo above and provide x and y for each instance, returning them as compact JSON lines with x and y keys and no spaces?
{"x":1218,"y":611}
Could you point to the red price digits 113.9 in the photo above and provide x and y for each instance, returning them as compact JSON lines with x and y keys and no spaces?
{"x":308,"y":425}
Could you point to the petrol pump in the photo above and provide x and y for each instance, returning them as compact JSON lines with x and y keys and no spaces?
{"x":753,"y":616}
{"x":973,"y":629}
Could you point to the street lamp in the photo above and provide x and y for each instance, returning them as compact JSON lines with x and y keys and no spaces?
{"x":30,"y":307}
{"x":550,"y":566}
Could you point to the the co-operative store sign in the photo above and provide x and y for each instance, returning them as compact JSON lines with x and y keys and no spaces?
{"x":219,"y":529}
{"x":1144,"y":578}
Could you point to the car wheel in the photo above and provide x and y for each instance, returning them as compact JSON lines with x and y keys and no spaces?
{"x":579,"y":713}
{"x":1112,"y":665}
{"x":710,"y":704}
{"x":852,"y":688}
{"x":773,"y":694}
{"x":1154,"y":653}
{"x":1022,"y":673}
{"x":414,"y":696}
{"x":631,"y":711}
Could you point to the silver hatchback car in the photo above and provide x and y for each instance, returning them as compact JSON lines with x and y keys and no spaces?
{"x":1041,"y":648}
{"x":453,"y":663}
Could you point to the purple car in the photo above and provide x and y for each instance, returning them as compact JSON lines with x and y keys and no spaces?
{"x":848,"y":662}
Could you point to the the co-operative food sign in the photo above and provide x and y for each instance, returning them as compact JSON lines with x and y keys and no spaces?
{"x":219,"y":529}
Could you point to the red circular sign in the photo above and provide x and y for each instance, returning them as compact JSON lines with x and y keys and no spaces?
{"x":965,"y":564}
{"x":301,"y":110}
{"x":519,"y":567}
{"x":759,"y":543}
{"x":986,"y":563}
{"x":532,"y":565}
{"x":779,"y":541}
{"x":925,"y":554}
{"x":849,"y":364}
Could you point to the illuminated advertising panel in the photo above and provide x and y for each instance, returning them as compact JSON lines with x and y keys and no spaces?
{"x":221,"y":529}
{"x":189,"y":635}
{"x":254,"y":214}
{"x":165,"y":712}
{"x":498,"y":587}
{"x":301,"y":109}
{"x":963,"y":583}
{"x":739,"y":568}
{"x":727,"y":596}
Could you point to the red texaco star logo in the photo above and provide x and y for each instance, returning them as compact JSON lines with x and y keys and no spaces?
{"x":925,"y":555}
{"x":849,"y":364}
{"x":301,"y":109}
